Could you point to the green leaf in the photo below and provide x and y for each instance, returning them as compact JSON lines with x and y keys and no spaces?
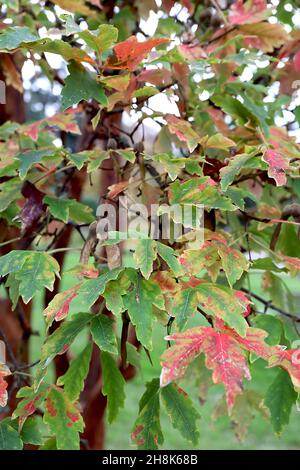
{"x":32,"y":431}
{"x":147,"y":432}
{"x":139,"y":303}
{"x":91,"y":158}
{"x":27,"y":159}
{"x":9,"y":437}
{"x":8,"y":129}
{"x":73,"y":379}
{"x":168,"y":255}
{"x":221,"y":302}
{"x":90,"y":289}
{"x":170,"y":164}
{"x":38,"y":271}
{"x":272,"y":325}
{"x":69,"y":209}
{"x":113,"y":386}
{"x":198,"y":191}
{"x":35,"y":270}
{"x":235,"y":108}
{"x":235,"y":165}
{"x":29,"y":403}
{"x":280,"y":398}
{"x":101,"y":39}
{"x":128,"y":154}
{"x":144,"y":255}
{"x":113,"y":294}
{"x":181,"y":411}
{"x":103,"y":333}
{"x":61,"y":48}
{"x":145,"y":91}
{"x":219,"y":141}
{"x":233,"y":262}
{"x":81,"y":85}
{"x":184,"y":305}
{"x":63,"y":419}
{"x":9,"y":191}
{"x":62,"y":338}
{"x":11,"y":38}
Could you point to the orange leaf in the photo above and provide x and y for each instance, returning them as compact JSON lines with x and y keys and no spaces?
{"x":128,"y":54}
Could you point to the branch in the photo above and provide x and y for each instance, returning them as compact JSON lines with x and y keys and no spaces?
{"x":269,"y":304}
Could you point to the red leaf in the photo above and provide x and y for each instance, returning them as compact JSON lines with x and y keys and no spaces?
{"x":183,"y":131}
{"x":251,"y":11}
{"x":117,"y":188}
{"x":59,"y":306}
{"x":128,"y":54}
{"x":4,"y":372}
{"x":292,"y":263}
{"x":155,"y":76}
{"x":224,"y":353}
{"x":192,"y":52}
{"x":288,"y":359}
{"x":64,"y":121}
{"x":277,"y":164}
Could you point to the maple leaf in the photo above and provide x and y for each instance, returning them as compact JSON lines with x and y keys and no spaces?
{"x":288,"y":359}
{"x":147,"y":433}
{"x":4,"y":372}
{"x":101,"y":39}
{"x":102,"y":329}
{"x":128,"y":54}
{"x":81,"y":85}
{"x":251,"y":11}
{"x":64,"y":121}
{"x":69,"y":209}
{"x":64,"y":419}
{"x":9,"y":437}
{"x":214,"y":255}
{"x":143,"y":295}
{"x":60,"y":341}
{"x":33,"y":269}
{"x":73,"y":379}
{"x":266,"y":36}
{"x":59,"y":306}
{"x":29,"y":403}
{"x":280,"y":398}
{"x":225,"y":355}
{"x":292,"y":263}
{"x":119,"y":82}
{"x":77,"y":7}
{"x":113,"y":385}
{"x":277,"y":163}
{"x":144,"y":255}
{"x":183,"y":131}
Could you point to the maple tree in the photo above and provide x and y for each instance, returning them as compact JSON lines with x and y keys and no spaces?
{"x":202,"y":111}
